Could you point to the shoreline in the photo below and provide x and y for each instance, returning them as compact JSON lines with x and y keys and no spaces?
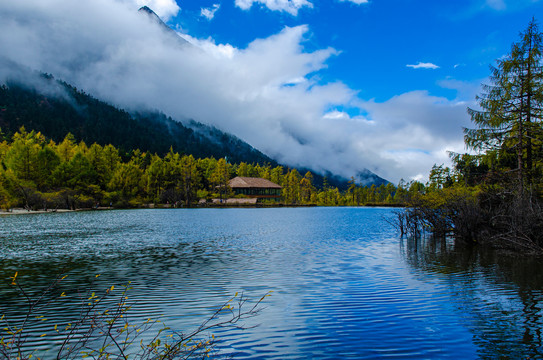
{"x":22,"y":211}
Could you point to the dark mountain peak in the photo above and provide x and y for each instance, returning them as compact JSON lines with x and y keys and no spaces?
{"x":156,"y":19}
{"x":147,"y":9}
{"x":149,"y":12}
{"x":368,"y":178}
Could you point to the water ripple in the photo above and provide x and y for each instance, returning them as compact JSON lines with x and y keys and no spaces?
{"x":344,"y":285}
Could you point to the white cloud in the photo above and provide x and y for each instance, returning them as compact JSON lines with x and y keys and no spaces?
{"x":413,"y":131}
{"x":209,"y":13}
{"x":211,"y":48}
{"x":269,"y":93}
{"x":466,"y":91}
{"x":358,"y":2}
{"x":422,"y":65}
{"x":289,"y":6}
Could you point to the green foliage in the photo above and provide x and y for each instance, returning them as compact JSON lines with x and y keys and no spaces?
{"x":40,"y":174}
{"x":219,"y":178}
{"x":291,"y":187}
{"x":22,"y":156}
{"x":509,"y":128}
{"x":127,"y":180}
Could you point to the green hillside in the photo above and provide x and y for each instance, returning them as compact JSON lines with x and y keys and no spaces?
{"x":60,"y":108}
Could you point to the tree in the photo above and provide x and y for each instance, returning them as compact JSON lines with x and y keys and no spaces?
{"x":155,"y":178}
{"x":112,"y":159}
{"x":48,"y":161}
{"x":172,"y":177}
{"x":4,"y":147}
{"x":511,"y":107}
{"x":189,"y":178}
{"x":127,"y":180}
{"x":22,"y":157}
{"x":400,"y":196}
{"x":242,"y":170}
{"x":291,"y":189}
{"x":351,"y":191}
{"x":82,"y":172}
{"x":220,"y":177}
{"x":276,"y":175}
{"x":306,"y":188}
{"x":8,"y":189}
{"x":67,"y":148}
{"x":439,"y":177}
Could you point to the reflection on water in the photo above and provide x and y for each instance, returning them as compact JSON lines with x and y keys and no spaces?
{"x":499,"y":295}
{"x":344,"y":285}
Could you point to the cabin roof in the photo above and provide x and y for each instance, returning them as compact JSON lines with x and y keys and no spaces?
{"x":252,"y":182}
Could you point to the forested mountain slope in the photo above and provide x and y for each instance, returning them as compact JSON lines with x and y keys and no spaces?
{"x":68,"y":110}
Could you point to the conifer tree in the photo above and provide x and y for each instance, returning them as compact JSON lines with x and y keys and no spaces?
{"x":511,"y":107}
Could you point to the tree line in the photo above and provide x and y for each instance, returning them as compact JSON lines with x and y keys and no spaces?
{"x":39,"y":173}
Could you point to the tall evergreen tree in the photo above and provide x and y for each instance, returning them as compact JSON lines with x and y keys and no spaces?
{"x":511,"y":107}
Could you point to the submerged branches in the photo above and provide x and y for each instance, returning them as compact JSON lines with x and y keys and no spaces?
{"x":493,"y":218}
{"x":516,"y":223}
{"x":442,"y":212}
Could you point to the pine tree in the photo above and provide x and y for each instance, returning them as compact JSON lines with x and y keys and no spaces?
{"x":511,"y":107}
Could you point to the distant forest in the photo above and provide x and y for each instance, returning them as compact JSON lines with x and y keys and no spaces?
{"x":39,"y":173}
{"x":62,"y":148}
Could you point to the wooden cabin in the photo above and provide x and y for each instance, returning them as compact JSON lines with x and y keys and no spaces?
{"x":255,"y":188}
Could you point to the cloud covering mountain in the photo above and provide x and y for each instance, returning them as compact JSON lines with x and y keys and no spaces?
{"x":269,"y":93}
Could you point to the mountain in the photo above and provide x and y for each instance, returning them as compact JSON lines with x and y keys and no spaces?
{"x":41,"y":103}
{"x":56,"y":108}
{"x":366,"y":177}
{"x":146,"y":11}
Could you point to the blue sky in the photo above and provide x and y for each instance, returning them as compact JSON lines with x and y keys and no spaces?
{"x":379,"y":38}
{"x":333,"y":85}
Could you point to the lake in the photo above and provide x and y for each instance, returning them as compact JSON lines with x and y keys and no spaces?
{"x":344,"y":284}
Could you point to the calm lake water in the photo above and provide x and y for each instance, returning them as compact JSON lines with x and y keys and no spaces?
{"x":344,"y":284}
